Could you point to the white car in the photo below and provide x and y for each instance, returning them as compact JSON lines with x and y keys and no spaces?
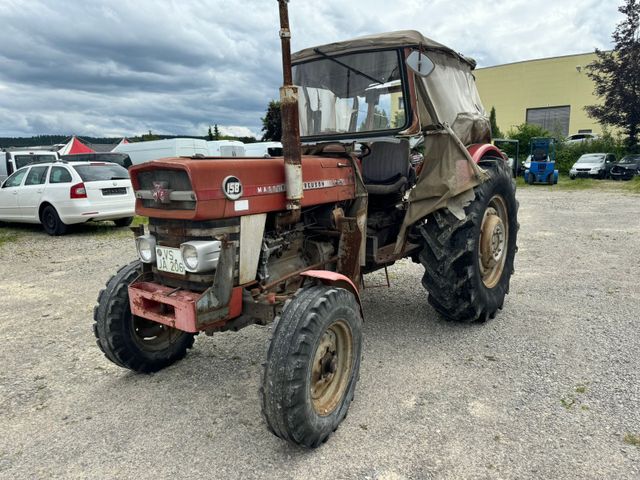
{"x":60,"y":194}
{"x":581,"y":137}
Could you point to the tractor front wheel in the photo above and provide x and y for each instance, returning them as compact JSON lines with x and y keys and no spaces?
{"x":312,"y":365}
{"x":469,"y":262}
{"x":129,"y":341}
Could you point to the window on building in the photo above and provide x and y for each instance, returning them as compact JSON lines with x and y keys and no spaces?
{"x":553,"y":119}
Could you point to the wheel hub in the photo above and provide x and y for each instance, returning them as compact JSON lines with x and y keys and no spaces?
{"x":331,"y":366}
{"x":493,"y":242}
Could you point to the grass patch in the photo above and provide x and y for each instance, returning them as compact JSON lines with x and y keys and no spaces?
{"x":581,"y":389}
{"x":633,"y":185}
{"x":565,"y":183}
{"x":568,"y":402}
{"x":631,"y":439}
{"x":138,"y":220}
{"x":8,"y":235}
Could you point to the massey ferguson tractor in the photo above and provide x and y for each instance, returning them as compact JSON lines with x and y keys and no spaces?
{"x":233,"y":242}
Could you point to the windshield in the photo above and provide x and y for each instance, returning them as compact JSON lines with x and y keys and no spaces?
{"x":22,"y":160}
{"x":631,"y":159}
{"x":591,"y":159}
{"x":99,"y":172}
{"x":353,"y":93}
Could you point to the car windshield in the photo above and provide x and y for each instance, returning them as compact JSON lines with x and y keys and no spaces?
{"x":94,"y":172}
{"x":631,"y":159}
{"x":591,"y":159}
{"x":353,"y":93}
{"x":23,"y":160}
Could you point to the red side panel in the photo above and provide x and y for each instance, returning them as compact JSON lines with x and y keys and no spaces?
{"x":480,"y":150}
{"x":337,"y":279}
{"x":325,"y":180}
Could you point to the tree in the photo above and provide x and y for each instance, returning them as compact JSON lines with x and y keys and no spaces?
{"x":495,"y":130}
{"x":216,"y":132}
{"x":209,"y":134}
{"x":616,"y":75}
{"x":524,"y":133}
{"x":272,"y":123}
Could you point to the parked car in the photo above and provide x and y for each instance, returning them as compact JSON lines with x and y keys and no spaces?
{"x":626,"y":168}
{"x":13,"y":159}
{"x":60,"y":194}
{"x":581,"y":137}
{"x":121,"y":159}
{"x":594,"y":165}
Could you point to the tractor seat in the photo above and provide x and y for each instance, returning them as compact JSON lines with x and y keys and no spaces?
{"x":386,"y":169}
{"x":539,"y":155}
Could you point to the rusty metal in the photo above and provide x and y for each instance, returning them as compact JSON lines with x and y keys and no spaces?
{"x":290,"y":121}
{"x":331,"y":368}
{"x":349,"y":248}
{"x":287,"y":218}
{"x":494,"y":239}
{"x":275,"y":283}
{"x":217,"y":297}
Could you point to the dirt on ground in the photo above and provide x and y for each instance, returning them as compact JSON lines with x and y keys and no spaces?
{"x":548,"y":389}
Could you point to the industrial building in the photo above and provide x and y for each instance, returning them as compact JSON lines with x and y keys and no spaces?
{"x":551,"y":92}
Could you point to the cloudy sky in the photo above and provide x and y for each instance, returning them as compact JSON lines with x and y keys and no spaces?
{"x":123,"y":67}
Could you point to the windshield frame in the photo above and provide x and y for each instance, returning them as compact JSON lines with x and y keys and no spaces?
{"x":592,"y":158}
{"x":404,"y":81}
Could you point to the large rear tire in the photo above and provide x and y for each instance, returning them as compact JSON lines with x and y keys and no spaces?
{"x":468,"y":263}
{"x":312,"y":365}
{"x":133,"y":342}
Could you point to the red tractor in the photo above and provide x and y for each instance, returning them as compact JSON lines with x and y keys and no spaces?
{"x":241,"y":241}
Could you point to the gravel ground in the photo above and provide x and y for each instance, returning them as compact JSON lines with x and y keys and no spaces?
{"x":549,"y":389}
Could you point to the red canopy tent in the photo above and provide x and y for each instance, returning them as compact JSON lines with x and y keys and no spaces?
{"x":75,"y":146}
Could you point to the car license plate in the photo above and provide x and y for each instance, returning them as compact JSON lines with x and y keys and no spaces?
{"x":169,"y":260}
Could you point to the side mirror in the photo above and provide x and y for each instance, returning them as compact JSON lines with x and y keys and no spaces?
{"x":420,"y":63}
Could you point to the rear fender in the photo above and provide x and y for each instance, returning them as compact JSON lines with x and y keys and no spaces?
{"x":336,"y":280}
{"x":478,"y":151}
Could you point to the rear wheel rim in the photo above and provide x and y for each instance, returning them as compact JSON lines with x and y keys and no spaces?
{"x":332,"y":367}
{"x":494,"y":241}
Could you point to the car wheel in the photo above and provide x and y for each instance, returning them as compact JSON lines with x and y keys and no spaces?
{"x":51,"y":221}
{"x":123,"y":222}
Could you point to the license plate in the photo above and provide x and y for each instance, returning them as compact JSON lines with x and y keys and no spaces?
{"x":169,"y":260}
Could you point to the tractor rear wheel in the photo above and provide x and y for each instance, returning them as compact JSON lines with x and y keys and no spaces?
{"x":468,"y":263}
{"x":129,"y":341}
{"x":312,"y":365}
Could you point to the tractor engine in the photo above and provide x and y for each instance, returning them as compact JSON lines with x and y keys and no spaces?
{"x":221,"y":250}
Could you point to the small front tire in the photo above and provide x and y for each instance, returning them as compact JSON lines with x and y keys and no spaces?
{"x":312,"y":365}
{"x":133,"y":342}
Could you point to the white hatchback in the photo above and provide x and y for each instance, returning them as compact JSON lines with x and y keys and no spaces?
{"x":59,"y":194}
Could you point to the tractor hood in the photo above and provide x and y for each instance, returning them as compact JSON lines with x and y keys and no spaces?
{"x":214,"y":188}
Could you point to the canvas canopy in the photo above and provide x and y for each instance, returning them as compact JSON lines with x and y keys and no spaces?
{"x":75,"y":146}
{"x":448,"y":112}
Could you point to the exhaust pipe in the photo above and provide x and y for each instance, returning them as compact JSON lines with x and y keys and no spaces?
{"x":290,"y":120}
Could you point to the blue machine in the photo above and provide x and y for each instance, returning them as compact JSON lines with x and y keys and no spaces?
{"x":543,"y":162}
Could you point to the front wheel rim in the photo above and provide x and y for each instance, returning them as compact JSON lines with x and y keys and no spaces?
{"x":331,"y":368}
{"x":494,"y":241}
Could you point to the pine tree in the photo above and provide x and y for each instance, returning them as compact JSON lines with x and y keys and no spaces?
{"x":495,"y":130}
{"x":210,"y":134}
{"x":616,"y":75}
{"x":216,"y":132}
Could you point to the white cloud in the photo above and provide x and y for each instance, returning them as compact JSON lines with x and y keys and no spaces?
{"x":123,"y":68}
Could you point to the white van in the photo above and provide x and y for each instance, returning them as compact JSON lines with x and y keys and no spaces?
{"x":14,"y":159}
{"x":141,"y":152}
{"x":226,"y":148}
{"x":263,"y":149}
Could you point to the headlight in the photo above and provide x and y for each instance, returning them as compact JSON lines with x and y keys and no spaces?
{"x":595,"y":169}
{"x":146,"y":246}
{"x":200,"y":255}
